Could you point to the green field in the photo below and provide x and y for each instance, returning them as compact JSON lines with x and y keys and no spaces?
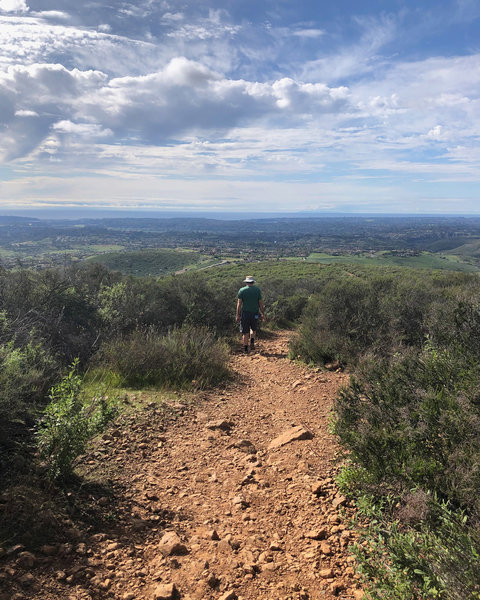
{"x":156,"y":262}
{"x":104,"y":248}
{"x":425,"y":260}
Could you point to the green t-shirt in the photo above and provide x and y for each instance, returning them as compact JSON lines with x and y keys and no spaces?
{"x":250,"y":295}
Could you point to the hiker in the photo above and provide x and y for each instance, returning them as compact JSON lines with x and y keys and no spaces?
{"x":249,"y":308}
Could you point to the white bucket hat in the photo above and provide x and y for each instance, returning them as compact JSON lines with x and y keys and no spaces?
{"x":249,"y":279}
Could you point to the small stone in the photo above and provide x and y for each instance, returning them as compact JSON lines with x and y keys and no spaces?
{"x":48,"y":550}
{"x":244,"y":446}
{"x":15,"y":550}
{"x":171,"y":545}
{"x":165,"y":592}
{"x":336,"y":588}
{"x":358,"y":594}
{"x":240,"y":501}
{"x":325,"y":548}
{"x":325,"y":573}
{"x":274,"y":547}
{"x":230,"y":595}
{"x":26,"y":560}
{"x":221,"y":424}
{"x":318,"y":488}
{"x":339,"y":501}
{"x":105,"y":584}
{"x":224,"y":546}
{"x":334,"y":519}
{"x":113,"y":546}
{"x":129,"y":596}
{"x":27,"y":580}
{"x":81,"y":549}
{"x":316,"y":534}
{"x":65,"y":549}
{"x":213,"y":581}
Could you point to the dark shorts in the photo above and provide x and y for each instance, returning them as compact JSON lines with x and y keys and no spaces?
{"x":248,"y":321}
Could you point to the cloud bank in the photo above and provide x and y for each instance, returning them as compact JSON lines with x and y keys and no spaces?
{"x":230,"y":100}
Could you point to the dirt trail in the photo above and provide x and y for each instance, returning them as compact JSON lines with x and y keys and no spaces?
{"x":208,"y":510}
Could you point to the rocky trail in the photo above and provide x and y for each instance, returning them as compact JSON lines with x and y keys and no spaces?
{"x":230,"y":497}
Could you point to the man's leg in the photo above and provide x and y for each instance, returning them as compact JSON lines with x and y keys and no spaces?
{"x":252,"y":338}
{"x":244,"y":330}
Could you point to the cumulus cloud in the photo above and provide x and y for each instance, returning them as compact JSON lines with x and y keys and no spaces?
{"x":183,"y":98}
{"x":33,"y":98}
{"x":187,"y":97}
{"x":13,"y":6}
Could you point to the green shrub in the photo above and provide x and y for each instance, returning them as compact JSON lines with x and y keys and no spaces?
{"x":25,"y":376}
{"x":68,"y":422}
{"x":182,"y":358}
{"x":416,"y":419}
{"x":412,"y":422}
{"x":285,"y":311}
{"x":437,"y":558}
{"x":377,"y":314}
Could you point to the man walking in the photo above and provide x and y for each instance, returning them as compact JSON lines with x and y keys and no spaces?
{"x":249,"y":308}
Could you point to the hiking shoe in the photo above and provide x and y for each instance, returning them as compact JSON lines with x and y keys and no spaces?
{"x":252,"y":343}
{"x":245,"y":349}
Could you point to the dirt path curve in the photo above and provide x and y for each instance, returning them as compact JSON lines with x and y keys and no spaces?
{"x":211,"y":510}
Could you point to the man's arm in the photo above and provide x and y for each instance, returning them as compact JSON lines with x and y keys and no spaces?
{"x":262,"y":310}
{"x":239,"y":309}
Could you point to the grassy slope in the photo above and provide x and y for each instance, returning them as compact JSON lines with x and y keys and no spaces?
{"x":148,"y":262}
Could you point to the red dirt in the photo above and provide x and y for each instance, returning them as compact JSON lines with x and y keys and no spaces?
{"x":240,"y":518}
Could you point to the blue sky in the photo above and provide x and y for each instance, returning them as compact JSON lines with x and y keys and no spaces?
{"x":240,"y":105}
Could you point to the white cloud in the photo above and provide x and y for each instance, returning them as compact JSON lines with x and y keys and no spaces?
{"x":52,"y":14}
{"x":89,"y":130}
{"x":309,"y":33}
{"x":26,"y":113}
{"x":33,"y":98}
{"x":168,"y":16}
{"x":13,"y":6}
{"x":186,"y":97}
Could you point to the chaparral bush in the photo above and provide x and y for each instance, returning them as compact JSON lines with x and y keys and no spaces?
{"x":181,"y":358}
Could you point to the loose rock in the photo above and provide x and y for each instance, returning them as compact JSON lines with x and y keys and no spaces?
{"x":291,"y":435}
{"x":171,"y":545}
{"x":165,"y":592}
{"x":221,"y":424}
{"x":230,"y":595}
